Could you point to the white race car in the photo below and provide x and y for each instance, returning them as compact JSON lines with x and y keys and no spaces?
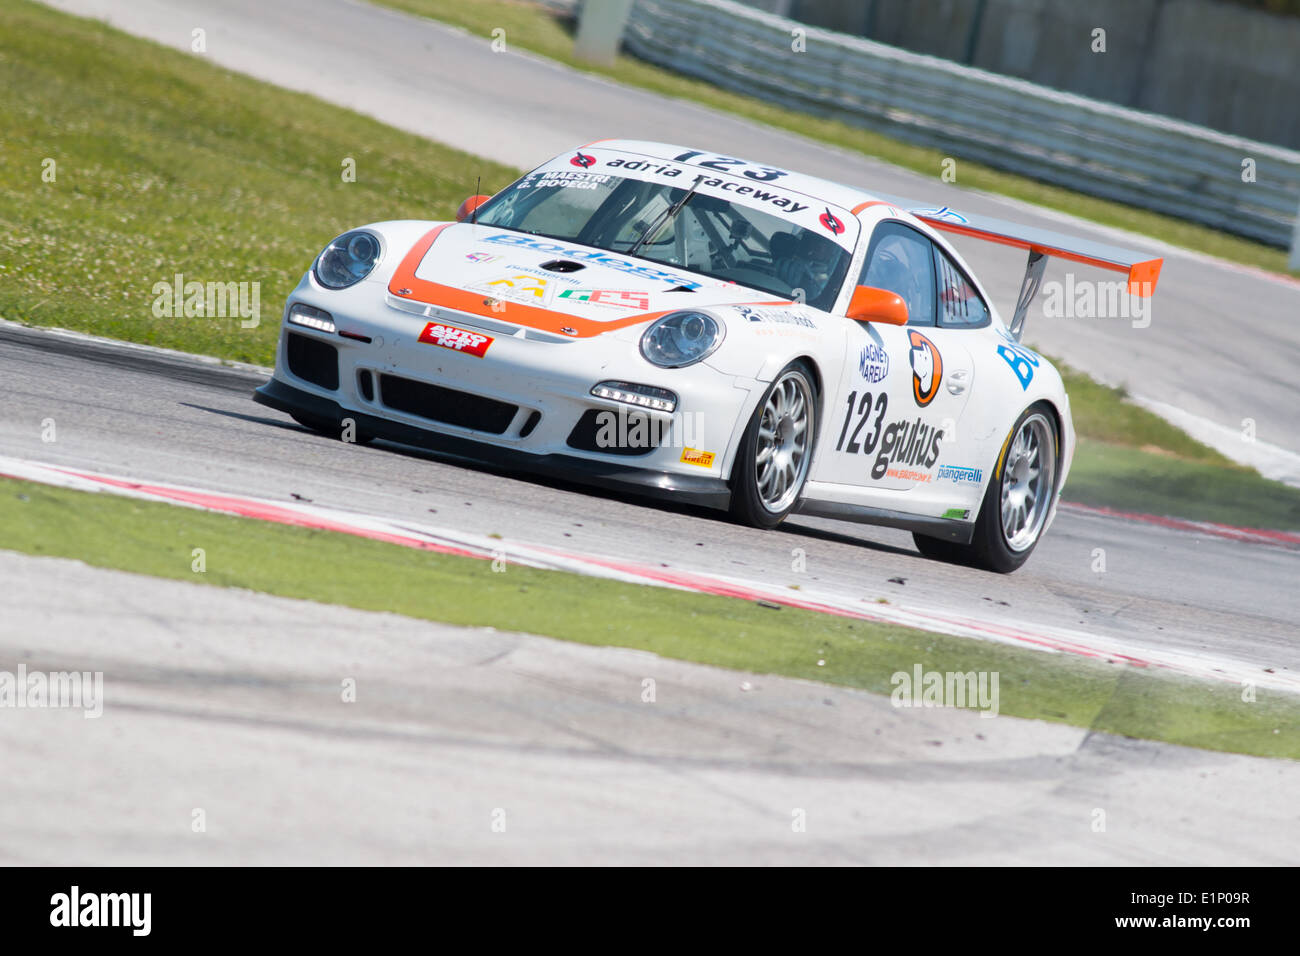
{"x":675,"y":322}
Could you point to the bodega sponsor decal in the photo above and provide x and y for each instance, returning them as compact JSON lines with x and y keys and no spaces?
{"x":873,"y":362}
{"x":927,"y":369}
{"x":905,"y":448}
{"x":693,"y":456}
{"x":593,"y":256}
{"x":458,"y":340}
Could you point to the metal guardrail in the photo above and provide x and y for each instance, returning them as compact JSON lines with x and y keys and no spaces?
{"x":1141,"y":159}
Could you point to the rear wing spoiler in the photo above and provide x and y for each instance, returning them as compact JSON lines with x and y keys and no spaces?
{"x":1141,"y":270}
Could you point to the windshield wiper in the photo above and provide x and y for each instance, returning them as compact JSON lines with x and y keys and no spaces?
{"x":666,"y":216}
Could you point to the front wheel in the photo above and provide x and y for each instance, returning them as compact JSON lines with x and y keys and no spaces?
{"x":1016,"y":504}
{"x":775,"y":451}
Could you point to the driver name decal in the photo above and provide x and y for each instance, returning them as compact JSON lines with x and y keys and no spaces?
{"x":914,"y":444}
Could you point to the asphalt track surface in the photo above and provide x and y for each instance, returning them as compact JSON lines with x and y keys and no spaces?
{"x":1223,"y":344}
{"x":152,"y":417}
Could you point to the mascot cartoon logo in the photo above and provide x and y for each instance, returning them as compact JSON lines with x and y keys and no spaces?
{"x":927,"y":369}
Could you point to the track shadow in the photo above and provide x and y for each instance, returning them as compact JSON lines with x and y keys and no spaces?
{"x":255,"y":419}
{"x":792,"y":526}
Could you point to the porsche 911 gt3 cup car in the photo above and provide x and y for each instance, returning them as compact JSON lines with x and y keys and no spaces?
{"x":676,"y":322}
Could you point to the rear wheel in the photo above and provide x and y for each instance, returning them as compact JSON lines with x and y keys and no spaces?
{"x":775,"y":451}
{"x":1016,"y":504}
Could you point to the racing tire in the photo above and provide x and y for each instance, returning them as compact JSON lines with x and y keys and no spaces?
{"x":776,"y":450}
{"x":328,"y":428}
{"x":1016,"y":505}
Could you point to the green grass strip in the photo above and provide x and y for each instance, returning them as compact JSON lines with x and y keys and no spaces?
{"x":166,"y":164}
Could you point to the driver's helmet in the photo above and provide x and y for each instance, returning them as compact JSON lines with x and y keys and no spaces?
{"x":819,"y":253}
{"x":892,"y":267}
{"x":807,"y":263}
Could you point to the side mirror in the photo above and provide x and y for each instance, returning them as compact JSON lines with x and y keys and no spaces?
{"x":870,"y":304}
{"x":469,"y":205}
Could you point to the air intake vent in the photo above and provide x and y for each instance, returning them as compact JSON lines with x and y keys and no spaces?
{"x":618,"y":432}
{"x":313,"y":361}
{"x":562,"y":265}
{"x":446,"y":405}
{"x":529,"y":425}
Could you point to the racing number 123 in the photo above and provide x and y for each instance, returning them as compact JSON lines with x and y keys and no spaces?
{"x":723,"y":164}
{"x":863,"y":412}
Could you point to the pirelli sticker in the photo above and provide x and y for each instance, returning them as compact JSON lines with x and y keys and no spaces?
{"x":458,"y":340}
{"x":692,"y":456}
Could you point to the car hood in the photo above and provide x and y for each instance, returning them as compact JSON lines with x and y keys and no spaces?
{"x":546,"y":283}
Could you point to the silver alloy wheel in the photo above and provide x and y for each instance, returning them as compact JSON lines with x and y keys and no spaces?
{"x":1028,"y":480}
{"x":781,"y":456}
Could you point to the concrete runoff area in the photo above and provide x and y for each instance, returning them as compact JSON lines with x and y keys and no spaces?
{"x":476,"y":746}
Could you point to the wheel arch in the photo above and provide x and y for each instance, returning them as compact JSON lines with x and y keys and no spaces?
{"x":809,"y":363}
{"x":1058,"y":422}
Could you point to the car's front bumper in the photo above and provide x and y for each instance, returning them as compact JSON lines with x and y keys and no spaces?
{"x":705,"y":490}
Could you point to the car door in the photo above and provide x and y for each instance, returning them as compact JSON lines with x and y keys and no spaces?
{"x":903,"y":388}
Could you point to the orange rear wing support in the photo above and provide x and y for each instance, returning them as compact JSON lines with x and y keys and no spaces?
{"x":1141,"y":270}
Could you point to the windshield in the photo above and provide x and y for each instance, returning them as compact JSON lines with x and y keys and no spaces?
{"x":708,"y":235}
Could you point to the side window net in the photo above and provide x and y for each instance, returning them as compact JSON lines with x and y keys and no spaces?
{"x":960,"y":306}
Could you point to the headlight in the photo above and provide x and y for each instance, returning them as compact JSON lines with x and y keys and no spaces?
{"x":682,"y":338}
{"x":310,"y":318}
{"x":347,"y":260}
